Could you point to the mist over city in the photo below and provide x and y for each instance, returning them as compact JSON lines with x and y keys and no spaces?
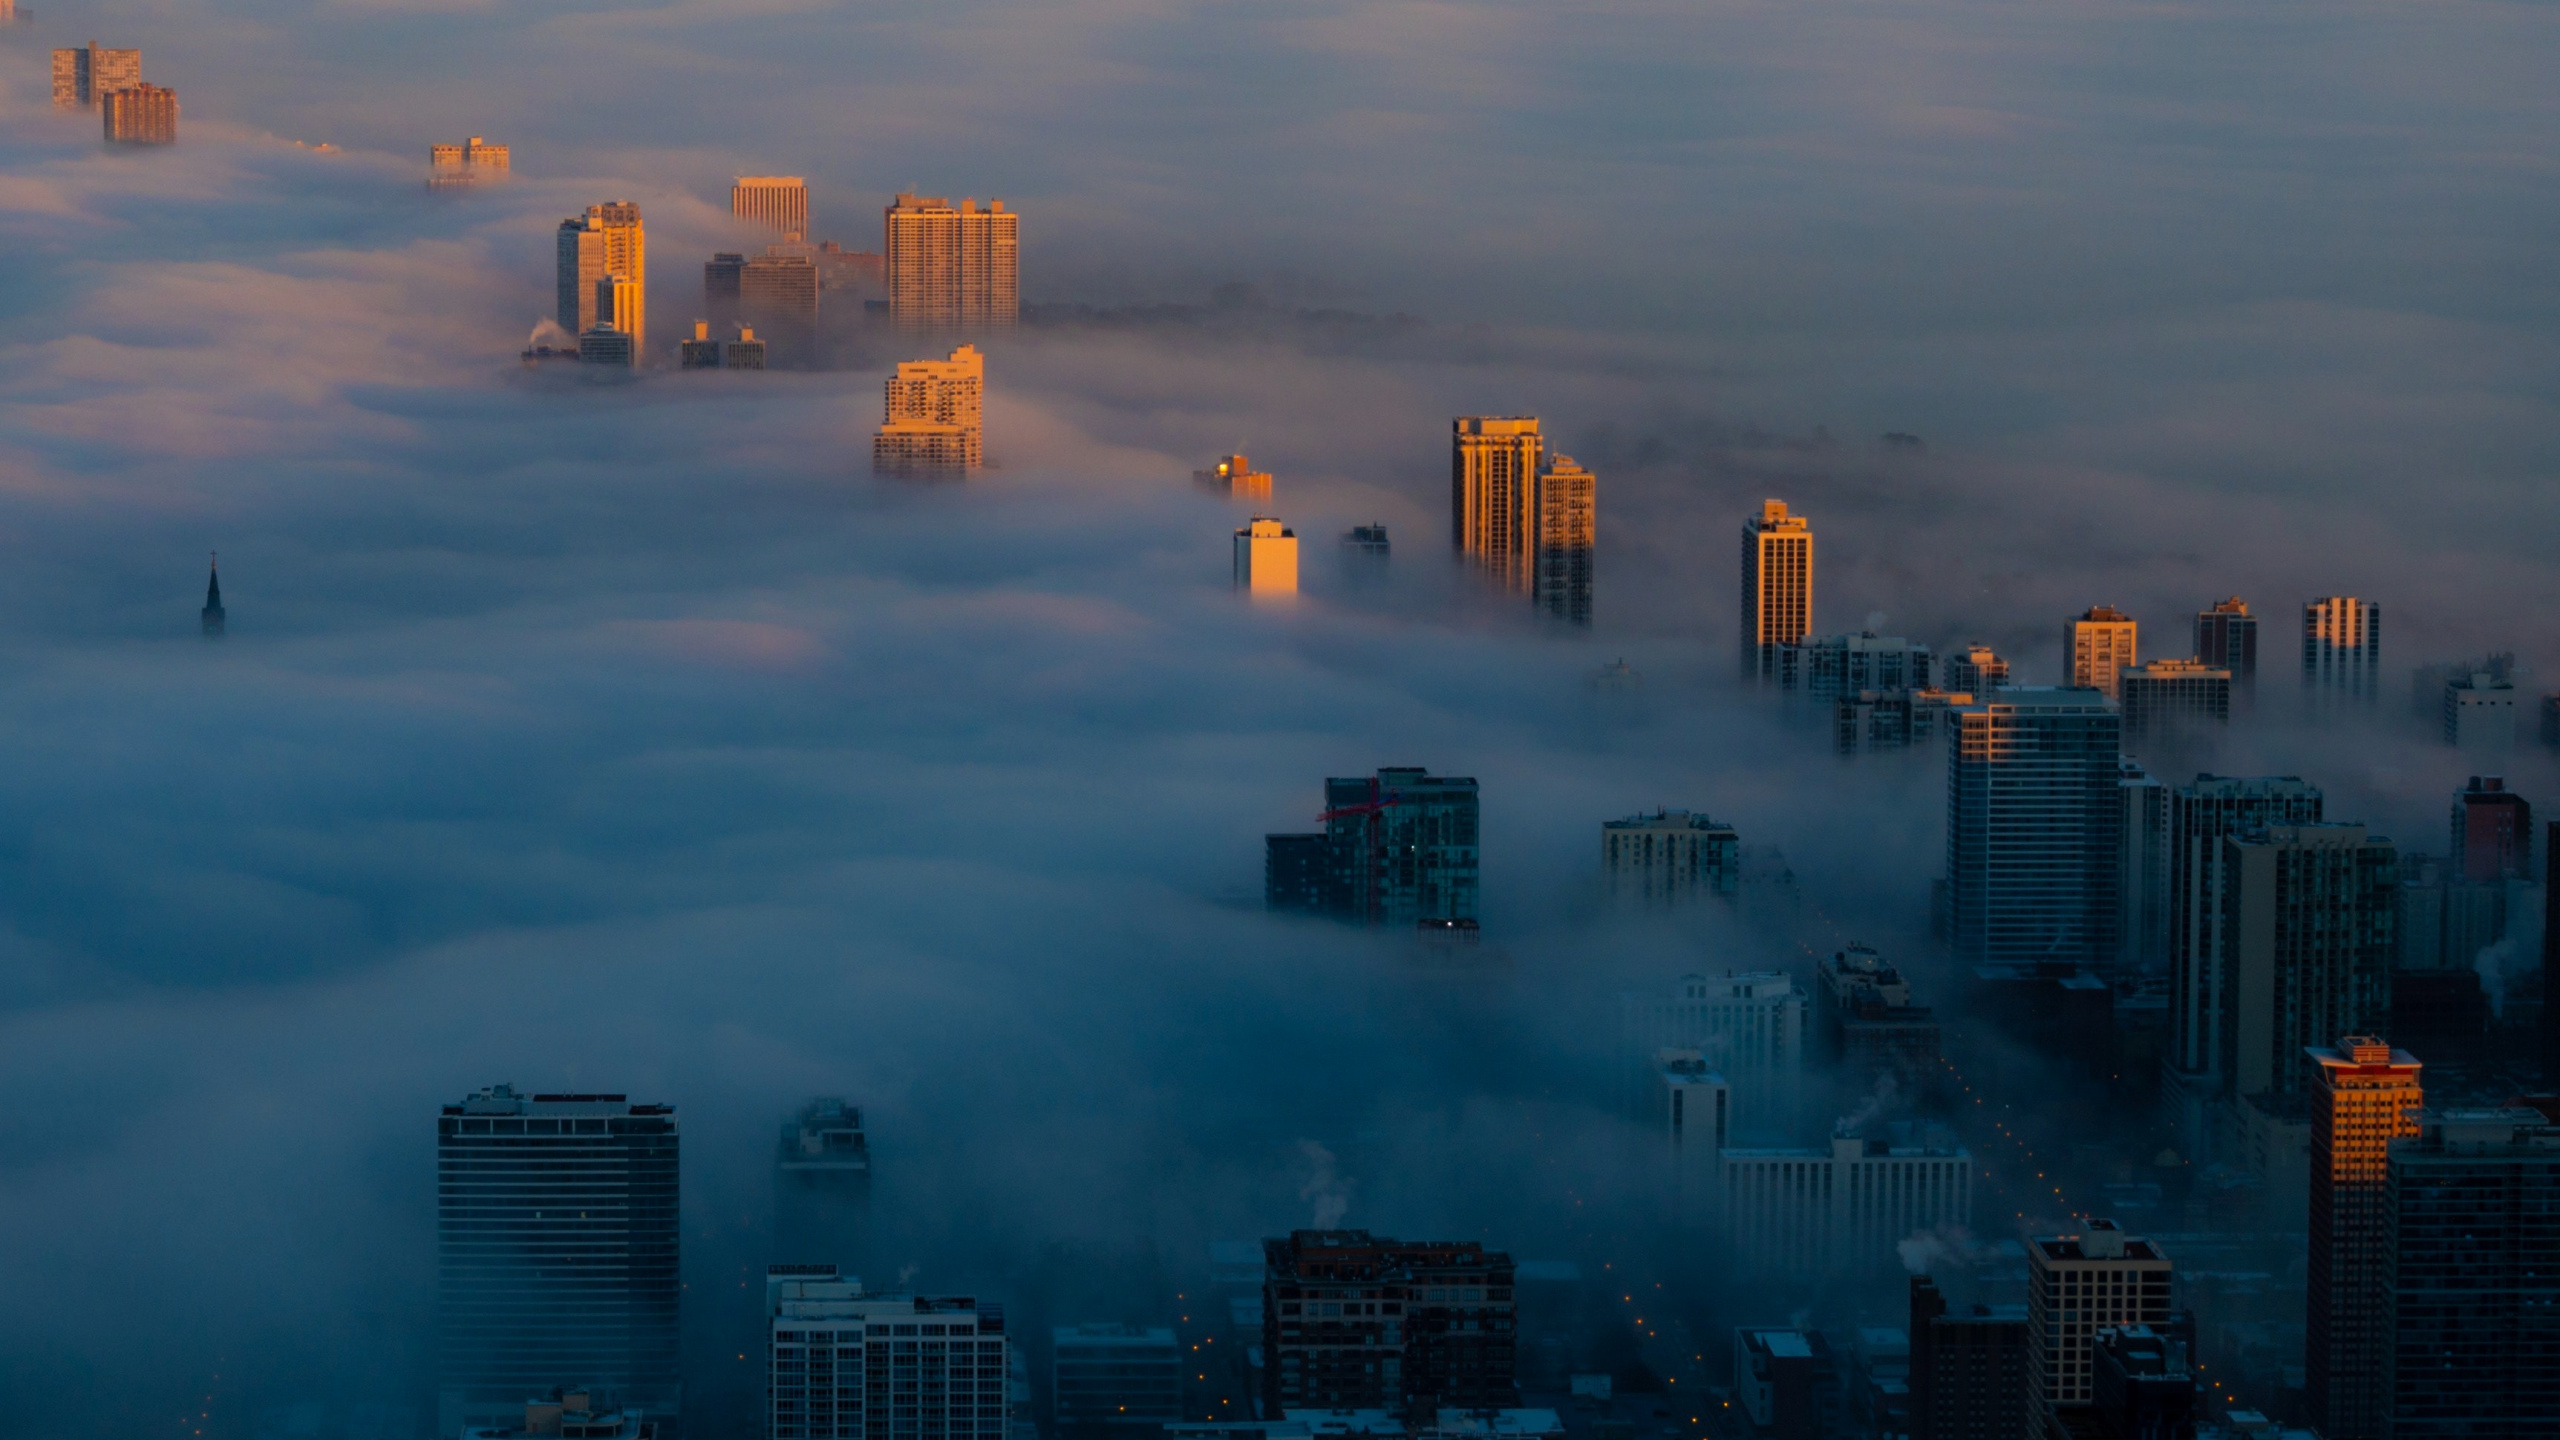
{"x":1352,"y":720}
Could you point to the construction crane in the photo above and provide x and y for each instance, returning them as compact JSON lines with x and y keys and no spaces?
{"x":1378,"y":801}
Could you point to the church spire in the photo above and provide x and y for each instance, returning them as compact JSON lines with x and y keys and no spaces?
{"x":213,"y":616}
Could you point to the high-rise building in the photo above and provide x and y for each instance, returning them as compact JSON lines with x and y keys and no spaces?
{"x":1970,"y":1374}
{"x":724,"y":283}
{"x":744,"y":353}
{"x":2098,"y":646}
{"x":2227,"y":639}
{"x":1669,"y":857}
{"x":1297,"y":876}
{"x":1493,"y":476}
{"x":1404,"y":846}
{"x":2034,"y":826}
{"x":947,"y":267}
{"x":1977,"y":670}
{"x":141,"y":115}
{"x":1863,"y":721}
{"x":1841,"y":1210}
{"x":1356,"y":1322}
{"x":2308,"y":911}
{"x":1777,"y":587}
{"x":1750,"y":1027}
{"x":1235,"y":478}
{"x":779,"y":284}
{"x":1786,"y":1382}
{"x":1111,"y":1379}
{"x":2550,"y":954}
{"x":701,"y":352}
{"x":85,"y":76}
{"x":932,"y":423}
{"x":606,"y":243}
{"x":1695,"y":1105}
{"x":822,"y":1185}
{"x":2472,"y":1275}
{"x":1564,"y":529}
{"x":2492,"y":831}
{"x":214,"y":617}
{"x":2143,"y":1383}
{"x":843,"y":1365}
{"x":2364,"y":1095}
{"x":2200,"y":817}
{"x":1868,"y":1022}
{"x":2480,"y":714}
{"x":1266,"y":554}
{"x":2342,"y":648}
{"x":1365,"y":547}
{"x":2076,"y":1285}
{"x":778,"y":202}
{"x":557,"y":1241}
{"x":473,"y":162}
{"x":2170,"y":700}
{"x":1831,"y":666}
{"x":2142,"y":874}
{"x":601,"y":344}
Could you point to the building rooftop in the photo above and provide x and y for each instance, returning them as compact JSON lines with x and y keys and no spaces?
{"x":504,"y":1100}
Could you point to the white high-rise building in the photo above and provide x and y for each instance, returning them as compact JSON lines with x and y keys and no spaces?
{"x":1805,"y":1211}
{"x":1267,"y":558}
{"x":843,"y":1365}
{"x":2076,"y":1284}
{"x":1748,"y":1027}
{"x":2480,"y":714}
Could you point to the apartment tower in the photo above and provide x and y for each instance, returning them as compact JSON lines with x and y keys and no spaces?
{"x":1777,"y":587}
{"x":2308,"y":913}
{"x":1494,"y":463}
{"x":845,"y":1365}
{"x":2097,"y":646}
{"x":1266,"y":554}
{"x":1970,"y":1374}
{"x":473,"y":162}
{"x":141,"y":115}
{"x":1977,"y":670}
{"x":607,"y":244}
{"x":932,"y":425}
{"x":1356,"y":1322}
{"x":1669,"y":857}
{"x":2472,"y":1209}
{"x":2170,"y":700}
{"x":822,"y":1184}
{"x":557,"y":1234}
{"x":2492,"y":831}
{"x":947,"y":267}
{"x":777,"y":202}
{"x":83,"y":77}
{"x":2227,"y":638}
{"x":2077,"y":1284}
{"x":2342,"y":648}
{"x":2034,"y":827}
{"x":2364,"y":1095}
{"x":1563,"y":525}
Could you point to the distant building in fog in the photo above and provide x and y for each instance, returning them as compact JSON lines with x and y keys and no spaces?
{"x":2168,"y":700}
{"x":2342,"y":648}
{"x":1668,"y":857}
{"x":2097,"y":646}
{"x":1565,"y":528}
{"x":1454,"y":1345}
{"x":608,"y":242}
{"x":781,"y":283}
{"x":778,"y":202}
{"x":1366,"y":544}
{"x":1864,"y":721}
{"x":2480,"y":714}
{"x":2034,"y":827}
{"x":1807,"y":1212}
{"x":1399,"y":849}
{"x":1777,"y":587}
{"x":1868,"y":1022}
{"x":141,"y":115}
{"x":473,"y":162}
{"x":932,"y":423}
{"x":822,"y":1185}
{"x":1971,"y":1375}
{"x":215,"y":618}
{"x":1234,"y":478}
{"x":1977,"y":669}
{"x":1831,"y":666}
{"x":83,"y":77}
{"x":2227,"y":639}
{"x":1266,"y":558}
{"x":940,"y":1354}
{"x":1109,"y":1379}
{"x":1749,"y":1027}
{"x":2492,"y":831}
{"x":1695,"y":1106}
{"x":946,"y":267}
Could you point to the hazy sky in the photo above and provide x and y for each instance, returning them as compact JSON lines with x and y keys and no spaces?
{"x":633,"y":737}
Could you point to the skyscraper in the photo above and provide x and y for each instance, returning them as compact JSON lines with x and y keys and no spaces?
{"x":845,"y":1365}
{"x":1777,"y":586}
{"x":1696,"y":1106}
{"x":1669,"y":857}
{"x":2342,"y":648}
{"x":1977,"y":671}
{"x":931,"y":425}
{"x":779,"y":202}
{"x":2097,"y":645}
{"x":473,"y":162}
{"x":213,"y":615}
{"x":1266,"y":553}
{"x":2308,"y":913}
{"x":2480,"y":714}
{"x":1297,"y":876}
{"x":1800,"y":1211}
{"x":947,"y":267}
{"x":2034,"y":827}
{"x":2492,"y":831}
{"x":2077,"y":1284}
{"x":2471,"y":1206}
{"x":1403,"y":846}
{"x":2364,"y":1095}
{"x":1565,"y":526}
{"x":556,"y":1251}
{"x":607,"y":243}
{"x":84,"y":77}
{"x":822,"y":1185}
{"x":1234,"y":478}
{"x":141,"y":115}
{"x":1749,"y":1027}
{"x":2227,"y":639}
{"x":2201,"y":815}
{"x":1828,"y":667}
{"x":1971,"y":1375}
{"x":1356,"y":1322}
{"x":1112,"y":1380}
{"x":2171,"y":700}
{"x":1494,"y":462}
{"x":779,"y":285}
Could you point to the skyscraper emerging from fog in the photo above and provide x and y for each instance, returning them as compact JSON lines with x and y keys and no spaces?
{"x":140,"y":115}
{"x":2097,"y":645}
{"x":2492,"y":831}
{"x":215,"y":618}
{"x":2168,"y":701}
{"x":1566,"y":528}
{"x":1749,"y":1027}
{"x":605,"y":244}
{"x":947,"y":267}
{"x":847,"y":1365}
{"x":932,"y":423}
{"x":2472,"y":1203}
{"x":2342,"y":648}
{"x":85,"y":76}
{"x":557,"y":1236}
{"x":1977,"y":670}
{"x":1669,"y":857}
{"x":2227,"y":638}
{"x":779,"y":202}
{"x":822,"y":1185}
{"x":2034,"y":827}
{"x":1352,"y":1321}
{"x":1777,"y":586}
{"x":1266,"y":556}
{"x":1526,"y":523}
{"x":2364,"y":1095}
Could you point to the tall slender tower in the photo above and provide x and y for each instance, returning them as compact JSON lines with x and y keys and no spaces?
{"x":1566,"y":519}
{"x":2227,"y":638}
{"x":2097,"y":646}
{"x":1777,"y":587}
{"x":2342,"y":648}
{"x":1493,"y":474}
{"x":2307,"y":911}
{"x":212,"y":613}
{"x":2035,"y":826}
{"x":2364,"y":1095}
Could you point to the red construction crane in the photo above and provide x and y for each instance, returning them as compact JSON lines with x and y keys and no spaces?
{"x":1369,"y":806}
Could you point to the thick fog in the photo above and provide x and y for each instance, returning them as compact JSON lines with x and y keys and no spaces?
{"x":633,"y":737}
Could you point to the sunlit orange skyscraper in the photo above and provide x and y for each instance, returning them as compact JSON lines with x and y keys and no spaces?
{"x":605,"y":244}
{"x":932,"y":425}
{"x":2364,"y":1095}
{"x":1777,"y":586}
{"x":948,"y":267}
